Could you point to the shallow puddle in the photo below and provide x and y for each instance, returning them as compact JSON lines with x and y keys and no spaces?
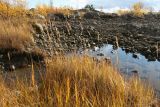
{"x":126,"y":63}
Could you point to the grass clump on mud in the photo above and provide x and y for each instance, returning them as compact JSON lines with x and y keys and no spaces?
{"x":77,"y":82}
{"x":44,"y":10}
{"x":14,"y":34}
{"x":15,"y":31}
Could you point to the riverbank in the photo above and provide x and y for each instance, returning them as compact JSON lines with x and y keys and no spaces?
{"x":132,"y":33}
{"x":83,"y":30}
{"x":75,"y":81}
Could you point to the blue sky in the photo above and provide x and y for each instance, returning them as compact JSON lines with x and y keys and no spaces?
{"x":108,"y":5}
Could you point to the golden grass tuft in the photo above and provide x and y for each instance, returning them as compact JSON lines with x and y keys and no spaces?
{"x":137,"y":9}
{"x":78,"y":82}
{"x":8,"y":10}
{"x":44,"y":10}
{"x":15,"y":34}
{"x":123,"y":12}
{"x":15,"y":10}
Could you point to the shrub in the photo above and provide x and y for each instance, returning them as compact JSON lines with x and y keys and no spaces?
{"x":139,"y":9}
{"x":89,"y":7}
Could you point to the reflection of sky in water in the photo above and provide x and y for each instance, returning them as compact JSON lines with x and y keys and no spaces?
{"x":126,"y":63}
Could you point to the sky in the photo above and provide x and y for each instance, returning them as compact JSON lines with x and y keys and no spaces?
{"x":108,"y":5}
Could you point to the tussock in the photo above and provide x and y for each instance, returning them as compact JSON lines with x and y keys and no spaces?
{"x":14,"y":35}
{"x":78,"y":82}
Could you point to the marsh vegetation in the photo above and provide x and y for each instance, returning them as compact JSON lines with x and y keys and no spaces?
{"x":41,"y":39}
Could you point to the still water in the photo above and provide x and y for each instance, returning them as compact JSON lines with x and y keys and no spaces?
{"x":149,"y":71}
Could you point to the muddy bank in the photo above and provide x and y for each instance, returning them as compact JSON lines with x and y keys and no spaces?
{"x":11,"y":59}
{"x":133,"y":34}
{"x":60,"y":33}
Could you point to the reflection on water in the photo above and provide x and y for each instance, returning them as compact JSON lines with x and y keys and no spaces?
{"x":149,"y":71}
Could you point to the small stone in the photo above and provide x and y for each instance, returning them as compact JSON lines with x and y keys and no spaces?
{"x":39,"y":16}
{"x":153,"y":48}
{"x":1,"y":56}
{"x":95,"y":23}
{"x":107,"y":60}
{"x":38,"y":28}
{"x":9,"y":67}
{"x":135,"y":55}
{"x":12,"y":68}
{"x":95,"y":48}
{"x":135,"y":73}
{"x":100,"y":54}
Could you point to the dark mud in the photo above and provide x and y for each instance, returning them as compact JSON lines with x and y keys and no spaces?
{"x":133,"y":34}
{"x":11,"y":59}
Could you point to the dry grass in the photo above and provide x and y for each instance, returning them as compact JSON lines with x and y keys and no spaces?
{"x":16,"y":10}
{"x":44,"y":10}
{"x":8,"y":10}
{"x":14,"y":34}
{"x":137,"y":9}
{"x":77,"y":82}
{"x":14,"y":27}
{"x":123,"y":12}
